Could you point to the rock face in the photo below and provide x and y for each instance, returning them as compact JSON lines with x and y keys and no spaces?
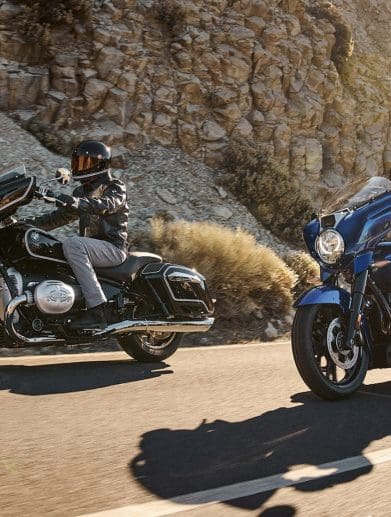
{"x":196,"y":74}
{"x":160,"y":181}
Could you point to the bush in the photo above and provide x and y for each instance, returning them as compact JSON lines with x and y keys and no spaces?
{"x":243,"y":276}
{"x":39,"y":16}
{"x":306,"y":269}
{"x":45,"y":134}
{"x":344,"y":45}
{"x":170,"y":15}
{"x":267,"y":190}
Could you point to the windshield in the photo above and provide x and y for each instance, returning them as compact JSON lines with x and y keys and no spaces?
{"x":356,"y":194}
{"x":15,"y":168}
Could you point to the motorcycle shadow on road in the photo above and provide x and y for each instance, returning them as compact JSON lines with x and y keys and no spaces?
{"x":175,"y":462}
{"x":71,"y":377}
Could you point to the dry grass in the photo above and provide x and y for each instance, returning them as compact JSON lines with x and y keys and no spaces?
{"x":306,"y":269}
{"x":267,"y":190}
{"x":243,"y":276}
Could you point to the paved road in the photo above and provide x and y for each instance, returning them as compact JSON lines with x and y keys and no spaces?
{"x":90,"y":433}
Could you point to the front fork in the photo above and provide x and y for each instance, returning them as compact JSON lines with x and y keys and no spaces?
{"x":358,"y":290}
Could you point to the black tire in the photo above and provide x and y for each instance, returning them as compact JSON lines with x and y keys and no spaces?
{"x":310,"y":352}
{"x":139,"y":346}
{"x":5,"y":340}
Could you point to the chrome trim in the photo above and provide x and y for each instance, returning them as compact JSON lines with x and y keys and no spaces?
{"x":23,"y":299}
{"x":130,"y":326}
{"x":184,"y":277}
{"x":40,"y":256}
{"x":165,"y":275}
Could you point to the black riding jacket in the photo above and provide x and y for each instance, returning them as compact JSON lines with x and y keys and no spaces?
{"x":101,"y":207}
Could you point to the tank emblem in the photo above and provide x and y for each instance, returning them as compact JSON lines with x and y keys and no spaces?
{"x":34,"y":236}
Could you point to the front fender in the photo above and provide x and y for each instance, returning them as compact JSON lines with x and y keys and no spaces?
{"x":325,"y":294}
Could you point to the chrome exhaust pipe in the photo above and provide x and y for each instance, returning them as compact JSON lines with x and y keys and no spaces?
{"x":130,"y":326}
{"x":23,"y":299}
{"x":123,"y":327}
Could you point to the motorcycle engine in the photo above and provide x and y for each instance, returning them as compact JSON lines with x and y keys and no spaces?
{"x":54,"y":297}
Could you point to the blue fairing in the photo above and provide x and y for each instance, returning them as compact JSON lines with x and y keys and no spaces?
{"x":325,"y":295}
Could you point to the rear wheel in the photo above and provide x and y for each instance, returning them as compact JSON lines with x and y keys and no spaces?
{"x":328,"y":369}
{"x":151,"y":347}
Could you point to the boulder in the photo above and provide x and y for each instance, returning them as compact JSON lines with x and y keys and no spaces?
{"x":108,"y":58}
{"x":313,"y":156}
{"x":95,"y":91}
{"x":127,"y":81}
{"x":222,"y":212}
{"x":236,"y":69}
{"x":118,"y":106}
{"x":211,"y":131}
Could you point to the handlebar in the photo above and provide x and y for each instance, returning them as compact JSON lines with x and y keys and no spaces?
{"x":47,"y":196}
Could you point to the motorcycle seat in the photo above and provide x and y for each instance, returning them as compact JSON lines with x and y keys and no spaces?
{"x":127,"y":269}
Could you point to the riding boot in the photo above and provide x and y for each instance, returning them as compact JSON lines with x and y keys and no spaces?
{"x":93,"y":318}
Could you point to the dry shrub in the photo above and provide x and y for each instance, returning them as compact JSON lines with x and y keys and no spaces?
{"x":40,"y":16}
{"x":344,"y":45}
{"x":45,"y":134}
{"x":267,"y":190}
{"x":306,"y":269}
{"x":242,"y":275}
{"x":170,"y":14}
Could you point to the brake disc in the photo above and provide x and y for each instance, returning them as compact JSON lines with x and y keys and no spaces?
{"x":344,"y":358}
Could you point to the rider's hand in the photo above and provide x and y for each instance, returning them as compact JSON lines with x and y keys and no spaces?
{"x":43,"y":193}
{"x":63,"y":200}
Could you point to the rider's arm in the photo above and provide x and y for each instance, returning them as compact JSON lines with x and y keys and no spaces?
{"x":51,"y":220}
{"x":112,"y":200}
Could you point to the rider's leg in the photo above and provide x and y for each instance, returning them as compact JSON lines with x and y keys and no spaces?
{"x":83,"y":253}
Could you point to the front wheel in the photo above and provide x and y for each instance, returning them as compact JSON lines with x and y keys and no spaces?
{"x":151,"y":347}
{"x":327,"y":368}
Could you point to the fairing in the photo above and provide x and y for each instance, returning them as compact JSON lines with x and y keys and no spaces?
{"x":16,"y":189}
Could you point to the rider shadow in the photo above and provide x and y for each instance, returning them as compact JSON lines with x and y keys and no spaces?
{"x":71,"y":377}
{"x":176,"y":462}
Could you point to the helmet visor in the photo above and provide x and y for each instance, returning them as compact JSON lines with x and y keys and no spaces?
{"x":82,"y":164}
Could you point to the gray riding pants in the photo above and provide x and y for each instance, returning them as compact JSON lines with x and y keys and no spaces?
{"x":83,"y":254}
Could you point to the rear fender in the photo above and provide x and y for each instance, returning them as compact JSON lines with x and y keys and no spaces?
{"x":324,"y":294}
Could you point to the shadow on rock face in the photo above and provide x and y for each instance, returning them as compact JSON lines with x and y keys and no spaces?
{"x":175,"y":462}
{"x":70,"y":377}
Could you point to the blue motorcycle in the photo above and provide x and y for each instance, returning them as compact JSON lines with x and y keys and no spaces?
{"x":342,"y":327}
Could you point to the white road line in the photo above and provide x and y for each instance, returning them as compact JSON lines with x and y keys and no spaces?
{"x":247,"y":488}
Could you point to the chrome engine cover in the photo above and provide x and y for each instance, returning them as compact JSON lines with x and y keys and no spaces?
{"x":54,"y":297}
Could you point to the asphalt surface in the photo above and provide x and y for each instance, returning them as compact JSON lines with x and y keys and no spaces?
{"x":96,"y":432}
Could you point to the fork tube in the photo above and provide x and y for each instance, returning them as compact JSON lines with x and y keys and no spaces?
{"x":359,"y":286}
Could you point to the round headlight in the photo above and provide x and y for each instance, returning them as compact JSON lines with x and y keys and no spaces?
{"x":329,"y":246}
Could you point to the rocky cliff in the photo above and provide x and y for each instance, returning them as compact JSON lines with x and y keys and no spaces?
{"x":308,"y":80}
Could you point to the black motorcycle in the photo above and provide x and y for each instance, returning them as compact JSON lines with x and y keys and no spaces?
{"x":152,"y":303}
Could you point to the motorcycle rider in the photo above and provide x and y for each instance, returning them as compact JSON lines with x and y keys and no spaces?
{"x":101,"y":206}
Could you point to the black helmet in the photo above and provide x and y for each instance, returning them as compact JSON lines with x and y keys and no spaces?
{"x":90,"y":159}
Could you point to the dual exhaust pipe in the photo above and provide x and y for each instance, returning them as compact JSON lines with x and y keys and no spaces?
{"x":116,"y":329}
